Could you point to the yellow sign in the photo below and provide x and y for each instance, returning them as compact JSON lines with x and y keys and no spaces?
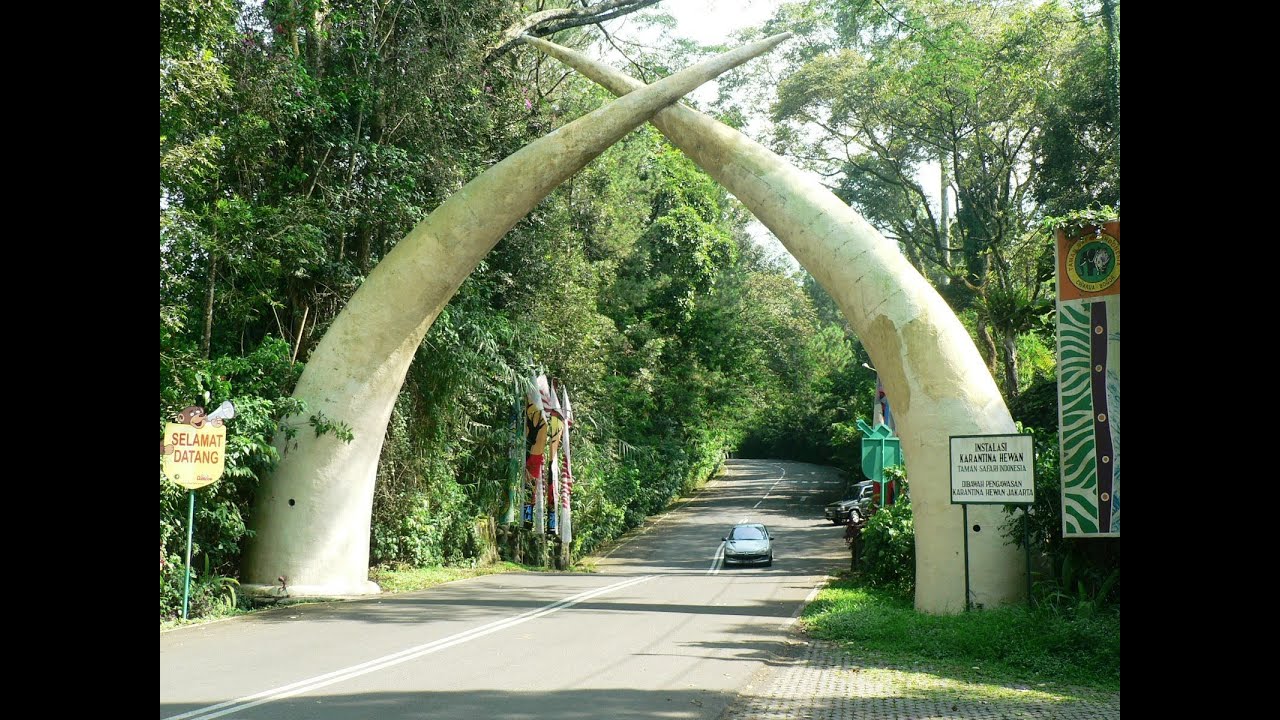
{"x":1093,"y":264}
{"x":194,"y":456}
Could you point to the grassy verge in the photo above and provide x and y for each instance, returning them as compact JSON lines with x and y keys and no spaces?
{"x":406,"y":579}
{"x":391,"y":580}
{"x":1013,"y":645}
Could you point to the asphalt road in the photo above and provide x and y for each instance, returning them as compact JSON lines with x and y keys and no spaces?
{"x":662,"y":630}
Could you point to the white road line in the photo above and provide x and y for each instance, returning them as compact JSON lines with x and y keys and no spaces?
{"x":644,"y":529}
{"x":746,"y":519}
{"x":771,"y":487}
{"x":297,"y":688}
{"x":800,"y":608}
{"x":716,"y":560}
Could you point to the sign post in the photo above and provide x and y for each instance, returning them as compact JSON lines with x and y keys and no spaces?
{"x":193,"y":454}
{"x":880,"y":449}
{"x":1089,"y":379}
{"x":191,"y":525}
{"x":992,"y":470}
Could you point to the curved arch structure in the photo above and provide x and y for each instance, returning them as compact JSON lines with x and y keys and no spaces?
{"x":311,"y":516}
{"x":930,"y":367}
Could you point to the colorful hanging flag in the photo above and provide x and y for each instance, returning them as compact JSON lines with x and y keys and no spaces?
{"x":566,"y":525}
{"x":883,"y":415}
{"x":535,"y":422}
{"x":515,"y":458}
{"x":555,"y":430}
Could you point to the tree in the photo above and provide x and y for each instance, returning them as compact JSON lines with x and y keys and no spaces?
{"x":882,"y":90}
{"x":1077,"y":155}
{"x":550,"y":21}
{"x":886,"y":301}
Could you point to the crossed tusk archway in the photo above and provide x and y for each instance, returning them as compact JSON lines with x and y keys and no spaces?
{"x":312,"y":515}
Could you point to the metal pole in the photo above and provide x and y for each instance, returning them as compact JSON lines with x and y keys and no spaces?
{"x":1026,"y":543}
{"x":965,"y":507}
{"x":186,"y":585}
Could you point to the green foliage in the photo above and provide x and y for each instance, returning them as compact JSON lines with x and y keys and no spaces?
{"x":210,"y":595}
{"x":898,"y":474}
{"x":823,"y":386}
{"x":1039,"y":361}
{"x":406,"y":579}
{"x":1074,"y":223}
{"x":256,"y":384}
{"x":1077,"y":155}
{"x":1036,"y":409}
{"x":300,"y":141}
{"x":884,"y":98}
{"x":1074,"y":575}
{"x":889,"y":548}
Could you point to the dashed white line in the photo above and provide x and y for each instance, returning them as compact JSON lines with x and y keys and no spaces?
{"x":771,"y":487}
{"x":717,"y":561}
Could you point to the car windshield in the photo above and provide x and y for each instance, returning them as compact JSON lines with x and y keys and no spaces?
{"x":746,"y":533}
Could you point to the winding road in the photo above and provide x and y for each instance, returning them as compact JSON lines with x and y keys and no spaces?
{"x":662,"y":629}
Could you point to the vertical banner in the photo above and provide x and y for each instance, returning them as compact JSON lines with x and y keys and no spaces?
{"x":555,"y":429}
{"x":881,"y":414}
{"x":1089,"y":379}
{"x":535,"y":424}
{"x":515,"y":458}
{"x":566,"y":495}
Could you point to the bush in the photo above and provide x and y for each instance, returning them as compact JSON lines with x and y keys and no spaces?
{"x":1079,"y":574}
{"x":889,"y":549}
{"x":257,"y":384}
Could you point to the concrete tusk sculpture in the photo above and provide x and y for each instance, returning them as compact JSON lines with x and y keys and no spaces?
{"x":311,"y":517}
{"x":931,"y":368}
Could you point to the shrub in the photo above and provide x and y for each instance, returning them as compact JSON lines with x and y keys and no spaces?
{"x":889,"y":548}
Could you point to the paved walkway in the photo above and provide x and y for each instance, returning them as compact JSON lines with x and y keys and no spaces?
{"x":815,"y":680}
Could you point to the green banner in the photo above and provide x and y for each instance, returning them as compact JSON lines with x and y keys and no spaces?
{"x":1089,"y":380}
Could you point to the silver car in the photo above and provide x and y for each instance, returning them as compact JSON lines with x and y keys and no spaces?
{"x":748,"y":544}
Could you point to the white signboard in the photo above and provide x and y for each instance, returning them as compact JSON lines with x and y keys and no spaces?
{"x":992,"y":470}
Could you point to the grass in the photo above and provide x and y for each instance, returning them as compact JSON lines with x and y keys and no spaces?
{"x":1011,"y":645}
{"x":406,"y":579}
{"x":390,"y":579}
{"x":223,"y":611}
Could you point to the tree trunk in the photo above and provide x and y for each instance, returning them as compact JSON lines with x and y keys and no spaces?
{"x":362,"y":248}
{"x":944,"y":231}
{"x":987,"y":348}
{"x":1111,"y":21}
{"x":913,"y":256}
{"x":208,"y":306}
{"x":1010,"y":345}
{"x":316,"y":33}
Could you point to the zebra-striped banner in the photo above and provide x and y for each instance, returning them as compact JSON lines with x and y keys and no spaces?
{"x":1089,"y":380}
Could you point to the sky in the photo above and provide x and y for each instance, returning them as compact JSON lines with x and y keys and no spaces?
{"x":714,"y":21}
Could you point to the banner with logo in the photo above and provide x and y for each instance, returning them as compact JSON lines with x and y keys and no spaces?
{"x":1089,"y":379}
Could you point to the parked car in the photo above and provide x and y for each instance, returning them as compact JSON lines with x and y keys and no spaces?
{"x":748,"y":544}
{"x":854,"y":509}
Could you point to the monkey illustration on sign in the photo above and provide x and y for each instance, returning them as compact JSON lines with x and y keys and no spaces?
{"x":195,"y":417}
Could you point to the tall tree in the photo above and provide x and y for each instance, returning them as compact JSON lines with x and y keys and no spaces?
{"x":1077,"y":155}
{"x":883,"y":89}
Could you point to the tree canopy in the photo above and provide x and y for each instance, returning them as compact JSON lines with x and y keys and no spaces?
{"x":301,"y":139}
